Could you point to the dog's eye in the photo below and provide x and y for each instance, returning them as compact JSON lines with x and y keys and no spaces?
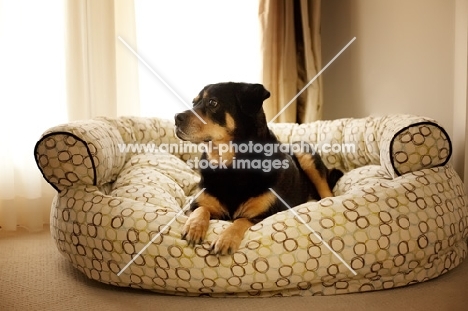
{"x":212,"y":103}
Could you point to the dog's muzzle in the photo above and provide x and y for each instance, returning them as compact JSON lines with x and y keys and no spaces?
{"x":180,"y":120}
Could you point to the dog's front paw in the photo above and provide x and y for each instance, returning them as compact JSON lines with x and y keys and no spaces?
{"x":226,"y":244}
{"x":195,"y":228}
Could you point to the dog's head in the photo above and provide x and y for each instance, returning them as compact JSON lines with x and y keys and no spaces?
{"x":228,"y":110}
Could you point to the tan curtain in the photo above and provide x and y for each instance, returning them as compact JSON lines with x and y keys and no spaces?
{"x":291,"y":58}
{"x":102,"y":74}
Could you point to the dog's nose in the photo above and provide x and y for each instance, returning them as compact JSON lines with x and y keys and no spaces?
{"x":179,"y":117}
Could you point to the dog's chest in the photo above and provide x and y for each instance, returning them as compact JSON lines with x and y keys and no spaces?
{"x":233,"y":187}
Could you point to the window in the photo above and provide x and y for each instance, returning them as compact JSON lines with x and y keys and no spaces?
{"x":32,"y":75}
{"x":191,"y":44}
{"x":32,"y":97}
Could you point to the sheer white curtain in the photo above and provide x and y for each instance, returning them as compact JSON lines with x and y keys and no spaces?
{"x":32,"y":97}
{"x":102,"y":74}
{"x":59,"y":61}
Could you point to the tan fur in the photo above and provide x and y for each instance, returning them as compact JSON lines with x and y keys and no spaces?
{"x":230,"y":123}
{"x":255,"y":206}
{"x":197,"y":224}
{"x":230,"y":239}
{"x":216,"y":153}
{"x":199,"y":132}
{"x":216,"y":209}
{"x":307,"y":163}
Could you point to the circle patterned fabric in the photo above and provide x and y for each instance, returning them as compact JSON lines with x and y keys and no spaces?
{"x":398,"y":217}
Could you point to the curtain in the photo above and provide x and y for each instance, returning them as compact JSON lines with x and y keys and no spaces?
{"x":102,"y":74}
{"x":60,"y":61}
{"x":290,"y":33}
{"x":32,"y":96}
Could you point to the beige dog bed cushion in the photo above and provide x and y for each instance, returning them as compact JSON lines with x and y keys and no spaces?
{"x":398,"y":217}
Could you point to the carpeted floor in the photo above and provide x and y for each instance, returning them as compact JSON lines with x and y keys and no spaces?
{"x":34,"y":276}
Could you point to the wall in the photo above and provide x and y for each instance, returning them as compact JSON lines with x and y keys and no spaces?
{"x":408,"y":57}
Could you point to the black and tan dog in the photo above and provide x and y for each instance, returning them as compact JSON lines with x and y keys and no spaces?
{"x":238,"y":180}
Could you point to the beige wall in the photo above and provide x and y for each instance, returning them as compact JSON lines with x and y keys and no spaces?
{"x":409,"y":57}
{"x":460,"y":128}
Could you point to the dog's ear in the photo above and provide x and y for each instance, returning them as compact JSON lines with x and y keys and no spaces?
{"x":250,"y":98}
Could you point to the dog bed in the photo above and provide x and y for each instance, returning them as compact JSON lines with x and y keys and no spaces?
{"x":398,"y":217}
